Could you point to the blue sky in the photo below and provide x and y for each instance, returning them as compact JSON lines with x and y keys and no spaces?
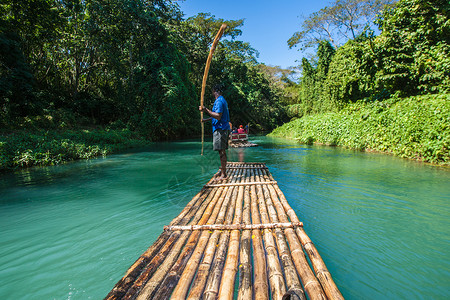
{"x":267,"y":26}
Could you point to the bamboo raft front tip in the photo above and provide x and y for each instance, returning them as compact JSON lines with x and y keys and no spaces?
{"x":238,"y":230}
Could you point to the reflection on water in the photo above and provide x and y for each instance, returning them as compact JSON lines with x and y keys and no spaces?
{"x":241,"y":154}
{"x":380,"y":223}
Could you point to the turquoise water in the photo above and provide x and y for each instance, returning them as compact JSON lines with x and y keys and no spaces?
{"x":381,"y":224}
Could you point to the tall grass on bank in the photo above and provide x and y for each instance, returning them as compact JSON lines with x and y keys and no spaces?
{"x":50,"y":147}
{"x":416,"y":127}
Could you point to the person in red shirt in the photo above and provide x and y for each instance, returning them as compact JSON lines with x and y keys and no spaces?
{"x":241,"y":129}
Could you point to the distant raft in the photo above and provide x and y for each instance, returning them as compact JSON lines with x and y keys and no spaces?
{"x":240,"y":140}
{"x":240,"y":229}
{"x":241,"y":144}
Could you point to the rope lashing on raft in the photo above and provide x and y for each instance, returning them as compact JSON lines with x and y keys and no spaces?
{"x":235,"y":226}
{"x":262,"y":167}
{"x":239,"y":184}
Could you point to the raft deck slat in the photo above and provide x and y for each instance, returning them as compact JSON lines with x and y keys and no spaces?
{"x":207,"y":247}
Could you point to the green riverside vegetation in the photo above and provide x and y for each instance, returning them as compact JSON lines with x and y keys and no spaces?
{"x":388,"y":93}
{"x":80,"y":79}
{"x":131,"y":69}
{"x":416,"y":127}
{"x":50,"y":147}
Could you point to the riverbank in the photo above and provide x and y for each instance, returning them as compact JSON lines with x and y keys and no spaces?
{"x":415,"y":127}
{"x":27,"y":148}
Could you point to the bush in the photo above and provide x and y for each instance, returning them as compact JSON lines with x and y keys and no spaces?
{"x":25,"y":149}
{"x":416,"y":127}
{"x":295,"y":111}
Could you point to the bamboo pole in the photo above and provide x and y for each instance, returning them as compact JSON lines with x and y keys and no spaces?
{"x":226,"y":290}
{"x":135,"y":270}
{"x":322,"y":273}
{"x":310,"y":282}
{"x":260,"y":285}
{"x":194,"y":242}
{"x":201,"y":277}
{"x":213,"y":282}
{"x":205,"y":75}
{"x":168,"y":252}
{"x":151,"y":286}
{"x":172,"y":262}
{"x":245,"y":267}
{"x":189,"y":271}
{"x":293,"y":283}
{"x":276,"y":279}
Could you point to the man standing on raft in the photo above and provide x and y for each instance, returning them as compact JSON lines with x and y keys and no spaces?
{"x":220,"y":125}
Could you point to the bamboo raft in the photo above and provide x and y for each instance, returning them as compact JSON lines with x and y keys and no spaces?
{"x":237,"y":238}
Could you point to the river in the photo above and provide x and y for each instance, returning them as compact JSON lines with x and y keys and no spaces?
{"x":381,"y":223}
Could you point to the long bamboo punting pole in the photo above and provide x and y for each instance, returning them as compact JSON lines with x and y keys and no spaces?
{"x":292,"y":281}
{"x":245,"y":267}
{"x":322,"y":273}
{"x":276,"y":278}
{"x":213,"y":282}
{"x":260,"y":285}
{"x":150,"y":288}
{"x":226,"y":290}
{"x":205,"y":74}
{"x":135,"y":270}
{"x":199,"y":282}
{"x":168,"y":253}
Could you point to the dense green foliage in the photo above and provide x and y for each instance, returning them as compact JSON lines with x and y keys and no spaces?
{"x":416,"y":127}
{"x":251,"y":95}
{"x":134,"y":65}
{"x":386,"y":93}
{"x":41,"y":147}
{"x":103,"y":63}
{"x":410,"y":56}
{"x":413,"y":51}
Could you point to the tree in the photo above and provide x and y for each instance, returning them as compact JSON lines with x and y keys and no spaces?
{"x":351,"y":74}
{"x":250,"y":93}
{"x":195,"y":36}
{"x":283,"y":80}
{"x":307,"y":87}
{"x":413,"y":49}
{"x":132,"y":63}
{"x":325,"y":53}
{"x":312,"y":81}
{"x":16,"y":81}
{"x":343,"y":20}
{"x":25,"y":27}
